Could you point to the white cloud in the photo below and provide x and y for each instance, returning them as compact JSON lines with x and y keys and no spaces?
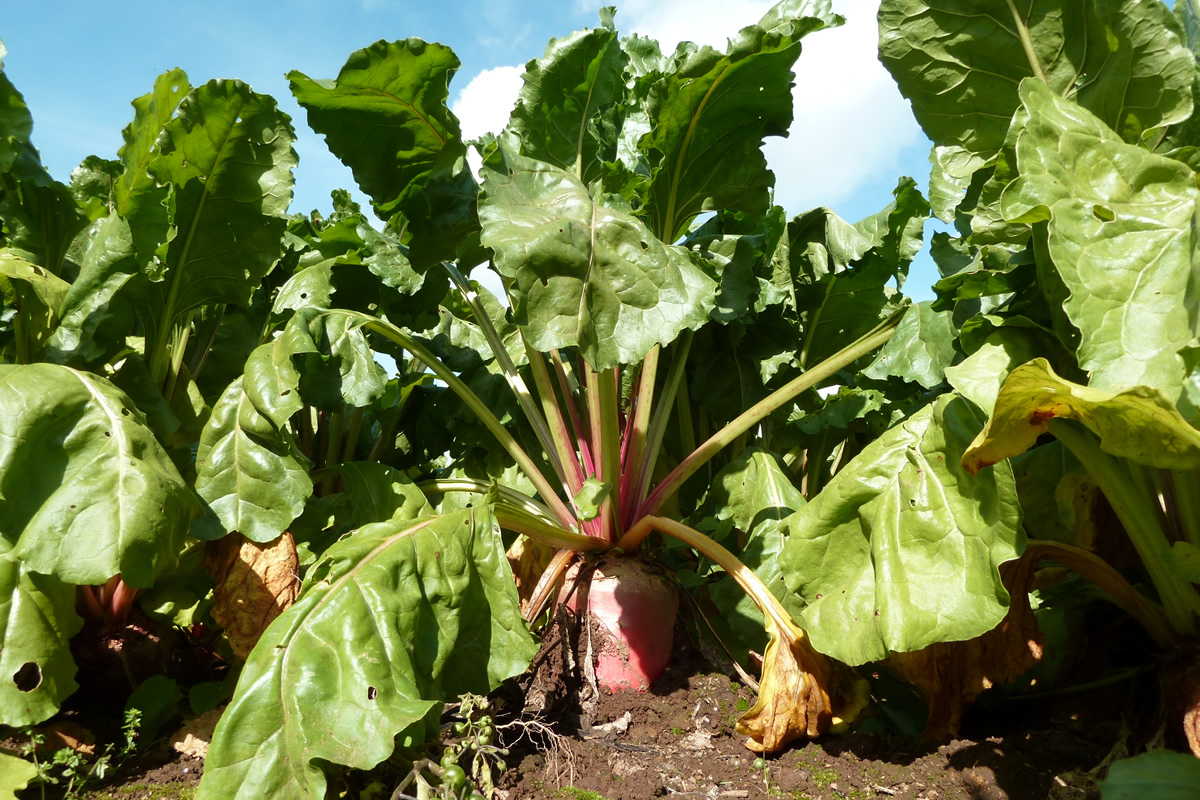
{"x":484,"y":104}
{"x":851,"y":124}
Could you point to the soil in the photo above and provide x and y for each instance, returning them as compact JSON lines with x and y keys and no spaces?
{"x":679,"y":739}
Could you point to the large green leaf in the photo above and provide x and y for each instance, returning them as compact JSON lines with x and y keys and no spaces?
{"x":901,"y":548}
{"x":960,"y":63}
{"x":565,"y":92}
{"x":385,"y":117}
{"x":228,"y":158}
{"x":250,"y":473}
{"x":396,"y":617}
{"x":710,"y":114}
{"x":1121,"y":236}
{"x":37,"y":620}
{"x":584,"y":274}
{"x":86,"y":491}
{"x":1139,"y":423}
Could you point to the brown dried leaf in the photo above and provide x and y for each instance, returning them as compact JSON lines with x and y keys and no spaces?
{"x":66,"y":735}
{"x":802,"y":693}
{"x":253,"y":584}
{"x":528,"y":560}
{"x":952,"y":674}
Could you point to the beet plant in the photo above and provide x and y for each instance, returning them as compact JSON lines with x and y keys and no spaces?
{"x":653,"y":373}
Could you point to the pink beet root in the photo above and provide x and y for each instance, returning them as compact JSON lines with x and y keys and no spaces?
{"x":635,"y":608}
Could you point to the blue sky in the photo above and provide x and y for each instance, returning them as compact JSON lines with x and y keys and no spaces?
{"x":79,"y":64}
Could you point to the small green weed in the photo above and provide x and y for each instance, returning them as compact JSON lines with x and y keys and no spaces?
{"x":576,"y":793}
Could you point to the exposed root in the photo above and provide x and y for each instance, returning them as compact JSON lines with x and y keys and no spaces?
{"x":544,"y":739}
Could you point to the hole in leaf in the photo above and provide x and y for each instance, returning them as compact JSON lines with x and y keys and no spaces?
{"x":1103,"y":213}
{"x":108,"y":434}
{"x":175,"y":88}
{"x":912,"y":502}
{"x":304,"y":295}
{"x":124,"y":412}
{"x":372,"y":692}
{"x":28,"y":677}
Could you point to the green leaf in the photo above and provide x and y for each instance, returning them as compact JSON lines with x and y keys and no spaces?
{"x":556,"y":117}
{"x":250,"y":473}
{"x":1120,"y":236}
{"x":86,"y":491}
{"x":37,"y":620}
{"x":374,"y":492}
{"x":1183,"y":559}
{"x":396,"y":618}
{"x":980,"y":376}
{"x":1139,"y":424}
{"x":137,"y":196}
{"x":585,"y":275}
{"x":92,"y":323}
{"x":39,"y":297}
{"x":710,"y":114}
{"x":754,"y":493}
{"x":272,"y":381}
{"x":901,"y":548}
{"x":15,"y":773}
{"x":157,"y":698}
{"x":1162,"y":774}
{"x":16,"y":123}
{"x":590,"y":497}
{"x":960,"y":64}
{"x":385,"y":117}
{"x":228,"y":159}
{"x":921,"y":349}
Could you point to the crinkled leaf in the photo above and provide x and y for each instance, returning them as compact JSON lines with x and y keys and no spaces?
{"x":980,"y":376}
{"x":86,"y":491}
{"x":1139,"y":424}
{"x":250,"y":473}
{"x":960,"y":63}
{"x":385,"y":117}
{"x":710,"y":115}
{"x":37,"y":620}
{"x":564,"y":92}
{"x":228,"y":158}
{"x":583,"y":274}
{"x":272,"y":381}
{"x":310,"y":287}
{"x":1121,"y":237}
{"x":396,"y":618}
{"x":920,"y":350}
{"x":902,"y":547}
{"x":137,"y":195}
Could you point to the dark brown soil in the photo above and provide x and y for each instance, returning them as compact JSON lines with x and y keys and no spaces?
{"x":679,"y":739}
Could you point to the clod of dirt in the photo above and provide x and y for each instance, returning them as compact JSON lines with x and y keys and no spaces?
{"x":981,"y":784}
{"x":193,"y":738}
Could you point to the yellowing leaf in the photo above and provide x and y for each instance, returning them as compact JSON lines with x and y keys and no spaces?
{"x":802,"y":693}
{"x":952,"y":674}
{"x":1139,"y":424}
